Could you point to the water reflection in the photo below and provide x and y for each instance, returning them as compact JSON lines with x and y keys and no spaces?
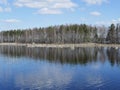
{"x":113,"y":56}
{"x":65,"y":55}
{"x":23,"y":68}
{"x":47,"y":77}
{"x":34,"y":76}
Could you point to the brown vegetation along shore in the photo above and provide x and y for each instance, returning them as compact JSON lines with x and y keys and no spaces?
{"x":72,"y":46}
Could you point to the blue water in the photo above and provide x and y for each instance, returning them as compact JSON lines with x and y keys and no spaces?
{"x":23,"y":68}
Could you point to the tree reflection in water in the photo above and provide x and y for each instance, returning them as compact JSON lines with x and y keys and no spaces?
{"x":81,"y":56}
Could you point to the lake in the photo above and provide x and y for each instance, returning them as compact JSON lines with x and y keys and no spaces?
{"x":23,"y":68}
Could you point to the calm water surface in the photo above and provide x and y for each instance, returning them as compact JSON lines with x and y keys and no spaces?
{"x":23,"y":68}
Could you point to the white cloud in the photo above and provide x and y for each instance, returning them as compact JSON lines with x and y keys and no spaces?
{"x":95,"y":13}
{"x":11,"y":21}
{"x":103,"y":23}
{"x":115,"y":21}
{"x":1,"y":9}
{"x":7,"y":9}
{"x":52,"y":6}
{"x":4,"y":6}
{"x":83,"y":19}
{"x":63,"y":5}
{"x":119,"y":19}
{"x":93,"y":2}
{"x":49,"y":11}
{"x":82,"y":9}
{"x":3,"y":2}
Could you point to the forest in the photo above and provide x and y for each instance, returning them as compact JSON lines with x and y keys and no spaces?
{"x":62,"y":34}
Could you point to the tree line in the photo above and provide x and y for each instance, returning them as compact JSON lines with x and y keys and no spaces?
{"x":62,"y":34}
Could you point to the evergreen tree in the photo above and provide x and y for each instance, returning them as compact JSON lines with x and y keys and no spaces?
{"x":111,"y":36}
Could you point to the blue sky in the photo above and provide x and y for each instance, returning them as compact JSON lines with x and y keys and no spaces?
{"x":15,"y":14}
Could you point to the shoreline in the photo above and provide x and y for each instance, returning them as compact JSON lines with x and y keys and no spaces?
{"x":61,"y":45}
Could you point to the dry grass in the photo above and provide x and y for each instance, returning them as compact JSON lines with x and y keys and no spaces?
{"x":61,"y":45}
